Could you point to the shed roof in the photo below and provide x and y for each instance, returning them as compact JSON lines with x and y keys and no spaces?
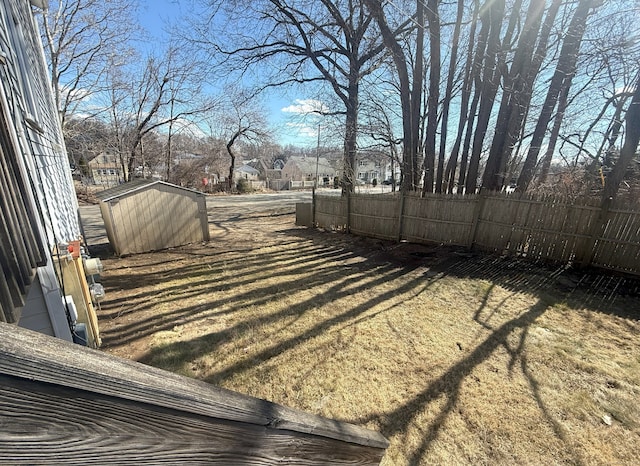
{"x":248,"y":169}
{"x":136,"y":185}
{"x":308,"y":164}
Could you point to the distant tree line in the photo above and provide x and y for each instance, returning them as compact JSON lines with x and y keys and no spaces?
{"x":461,"y":95}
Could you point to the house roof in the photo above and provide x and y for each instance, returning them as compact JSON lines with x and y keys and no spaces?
{"x":248,"y":169}
{"x":136,"y":185}
{"x":308,"y":164}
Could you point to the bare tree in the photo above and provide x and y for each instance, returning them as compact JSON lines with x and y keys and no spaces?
{"x":518,"y":88}
{"x":238,"y":119}
{"x":165,"y":90}
{"x":433,"y":19}
{"x":325,"y":43}
{"x":443,"y":174}
{"x":80,"y":36}
{"x":629,"y":148}
{"x":380,"y":121}
{"x":465,"y":117}
{"x":563,"y":76}
{"x":410,"y":89}
{"x":490,"y":47}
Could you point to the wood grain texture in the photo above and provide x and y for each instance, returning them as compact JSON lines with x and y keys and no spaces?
{"x":48,"y":424}
{"x":66,"y":371}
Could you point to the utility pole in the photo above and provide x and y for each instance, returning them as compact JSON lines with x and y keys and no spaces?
{"x":315,"y":184}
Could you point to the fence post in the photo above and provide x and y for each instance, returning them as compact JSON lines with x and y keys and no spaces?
{"x":400,"y":215}
{"x":596,"y":230}
{"x":482,"y":196}
{"x":313,"y":206}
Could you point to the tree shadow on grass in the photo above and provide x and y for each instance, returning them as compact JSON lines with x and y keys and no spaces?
{"x":353,"y":265}
{"x":203,"y":284}
{"x":449,"y":384}
{"x":345,"y":283}
{"x":517,"y":276}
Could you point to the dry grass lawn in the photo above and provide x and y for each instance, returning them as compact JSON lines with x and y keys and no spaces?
{"x":456,"y":359}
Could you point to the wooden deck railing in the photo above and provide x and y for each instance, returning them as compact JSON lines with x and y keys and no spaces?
{"x":65,"y":404}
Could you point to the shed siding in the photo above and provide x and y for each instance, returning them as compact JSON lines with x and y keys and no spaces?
{"x":109,"y":227}
{"x":155,"y":217}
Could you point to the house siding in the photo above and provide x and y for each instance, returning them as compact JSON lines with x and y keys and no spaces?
{"x":34,"y":149}
{"x":32,"y":316}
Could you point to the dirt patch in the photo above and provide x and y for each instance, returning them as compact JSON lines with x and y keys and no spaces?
{"x":455,"y":357}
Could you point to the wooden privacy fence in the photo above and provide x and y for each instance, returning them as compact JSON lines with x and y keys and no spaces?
{"x":65,"y":404}
{"x":548,"y":228}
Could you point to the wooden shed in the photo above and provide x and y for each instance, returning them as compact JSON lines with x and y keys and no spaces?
{"x":148,"y":215}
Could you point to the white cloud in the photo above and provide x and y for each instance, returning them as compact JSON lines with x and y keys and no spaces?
{"x":182,"y":124}
{"x":304,"y":130}
{"x":305,"y":106}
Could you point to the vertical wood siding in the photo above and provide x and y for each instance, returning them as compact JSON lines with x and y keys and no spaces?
{"x":154,"y":217}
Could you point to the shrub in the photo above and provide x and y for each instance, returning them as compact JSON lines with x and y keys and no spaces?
{"x":243,"y":186}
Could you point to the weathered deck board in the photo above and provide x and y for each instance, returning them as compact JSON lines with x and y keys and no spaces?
{"x":62,"y":403}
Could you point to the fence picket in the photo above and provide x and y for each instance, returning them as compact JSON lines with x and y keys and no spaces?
{"x":546,"y":228}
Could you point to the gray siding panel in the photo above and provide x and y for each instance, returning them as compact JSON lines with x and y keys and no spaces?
{"x":35,"y":315}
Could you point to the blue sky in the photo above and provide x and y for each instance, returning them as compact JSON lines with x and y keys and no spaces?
{"x":283,"y":109}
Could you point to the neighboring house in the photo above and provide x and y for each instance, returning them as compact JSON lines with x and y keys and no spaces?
{"x":391,"y":171}
{"x":271,"y":173}
{"x":369,"y":168}
{"x":247,"y":172}
{"x":251,"y":175}
{"x":106,"y":170}
{"x":269,"y":170}
{"x":301,"y":169}
{"x":38,"y":205}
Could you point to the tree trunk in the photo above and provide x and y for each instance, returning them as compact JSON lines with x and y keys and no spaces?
{"x":416,"y":100}
{"x":169,"y":160}
{"x":565,"y":70}
{"x":434,"y":92}
{"x":462,"y":182}
{"x":553,"y":138}
{"x":514,"y":100}
{"x":492,"y":20}
{"x":628,"y":150}
{"x":408,"y":154}
{"x":464,"y":116}
{"x":443,"y":175}
{"x":232,"y":164}
{"x":350,"y":136}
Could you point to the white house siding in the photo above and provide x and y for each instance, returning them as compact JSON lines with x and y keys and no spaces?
{"x":35,"y":136}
